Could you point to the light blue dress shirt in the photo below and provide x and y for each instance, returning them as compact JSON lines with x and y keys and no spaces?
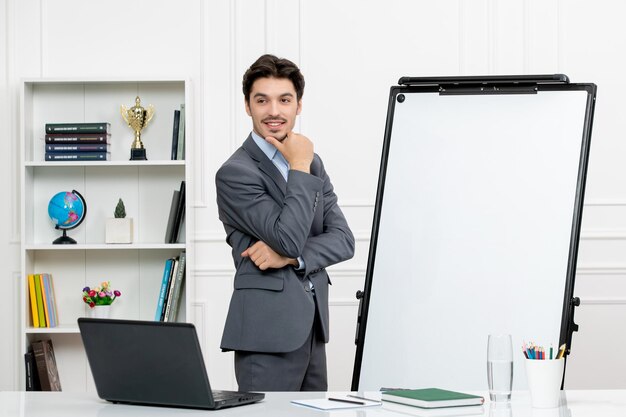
{"x":280,"y":162}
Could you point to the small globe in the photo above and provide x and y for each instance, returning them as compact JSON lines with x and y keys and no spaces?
{"x":67,"y":210}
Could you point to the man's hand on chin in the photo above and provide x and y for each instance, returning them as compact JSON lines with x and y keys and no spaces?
{"x":297,"y":150}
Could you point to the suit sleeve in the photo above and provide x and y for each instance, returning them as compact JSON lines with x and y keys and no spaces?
{"x":336,"y":242}
{"x":244,"y":204}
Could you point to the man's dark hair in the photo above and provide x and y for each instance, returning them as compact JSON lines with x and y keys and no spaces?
{"x":270,"y":66}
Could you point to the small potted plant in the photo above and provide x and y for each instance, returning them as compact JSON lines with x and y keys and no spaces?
{"x":119,"y":229}
{"x":99,"y":299}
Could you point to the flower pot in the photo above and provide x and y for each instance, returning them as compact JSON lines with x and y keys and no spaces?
{"x":119,"y":230}
{"x":100,"y":312}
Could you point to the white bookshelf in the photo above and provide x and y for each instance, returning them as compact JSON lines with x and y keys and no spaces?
{"x":146,"y":188}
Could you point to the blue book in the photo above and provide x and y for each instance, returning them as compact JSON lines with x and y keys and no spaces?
{"x":164,"y":287}
{"x":77,"y":156}
{"x":49,"y":299}
{"x":77,"y":147}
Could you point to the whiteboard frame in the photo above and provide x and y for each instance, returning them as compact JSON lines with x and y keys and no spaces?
{"x":478,"y":85}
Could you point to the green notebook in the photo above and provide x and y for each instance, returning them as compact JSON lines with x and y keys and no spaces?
{"x":432,"y":398}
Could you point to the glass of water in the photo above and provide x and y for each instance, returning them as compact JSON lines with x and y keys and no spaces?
{"x":500,"y":367}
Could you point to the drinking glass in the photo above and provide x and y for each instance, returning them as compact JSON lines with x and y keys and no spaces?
{"x":500,"y":367}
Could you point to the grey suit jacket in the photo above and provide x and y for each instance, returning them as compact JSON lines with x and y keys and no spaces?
{"x":272,"y":310}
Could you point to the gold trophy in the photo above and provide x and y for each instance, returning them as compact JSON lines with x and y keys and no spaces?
{"x":137,"y":118}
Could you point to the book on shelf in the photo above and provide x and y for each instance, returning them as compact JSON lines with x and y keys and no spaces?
{"x":50,"y":301}
{"x":73,"y":138}
{"x":40,"y":311}
{"x":34,"y":309}
{"x":77,"y":147}
{"x":32,"y":377}
{"x":407,"y":410}
{"x":91,"y":127}
{"x":46,"y":365}
{"x":167,"y":274}
{"x":78,"y":156}
{"x":431,"y":398}
{"x":44,"y":299}
{"x":55,"y":311}
{"x":180,"y":152}
{"x":170,"y":287}
{"x":173,"y":301}
{"x":175,"y":129}
{"x":180,"y":212}
{"x":169,"y":230}
{"x":176,"y":215}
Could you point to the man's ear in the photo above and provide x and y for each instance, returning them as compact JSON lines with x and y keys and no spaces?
{"x":248,"y":108}
{"x":299,"y":107}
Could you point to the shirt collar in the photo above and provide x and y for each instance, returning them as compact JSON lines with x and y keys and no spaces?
{"x":268,"y":149}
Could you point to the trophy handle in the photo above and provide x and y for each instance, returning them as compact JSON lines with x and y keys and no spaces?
{"x":150,"y":113}
{"x":124,"y":112}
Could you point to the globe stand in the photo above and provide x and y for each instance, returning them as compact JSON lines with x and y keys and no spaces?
{"x":64,"y":240}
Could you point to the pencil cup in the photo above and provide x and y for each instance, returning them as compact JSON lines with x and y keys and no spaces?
{"x":544,"y":381}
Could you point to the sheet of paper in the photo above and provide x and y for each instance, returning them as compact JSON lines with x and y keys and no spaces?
{"x":328,"y":404}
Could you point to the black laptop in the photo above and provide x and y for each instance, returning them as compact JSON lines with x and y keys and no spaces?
{"x":152,"y":363}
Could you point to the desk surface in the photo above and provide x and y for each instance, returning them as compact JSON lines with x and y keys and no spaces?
{"x":588,"y":403}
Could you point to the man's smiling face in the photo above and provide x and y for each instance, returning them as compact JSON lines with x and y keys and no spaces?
{"x":273,"y":107}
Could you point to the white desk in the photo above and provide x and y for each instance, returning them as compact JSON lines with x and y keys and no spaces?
{"x":588,"y":403}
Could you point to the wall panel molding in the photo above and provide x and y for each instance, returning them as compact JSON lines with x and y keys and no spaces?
{"x":527,"y":30}
{"x":364,"y":235}
{"x":200,"y":320}
{"x":199,"y":151}
{"x":603,"y":234}
{"x":16,"y":319}
{"x":492,"y":41}
{"x":360,"y":235}
{"x":605,"y":202}
{"x":227,"y":271}
{"x":613,"y":301}
{"x":343,"y":302}
{"x":11,"y":122}
{"x":233,"y":59}
{"x":601,"y":269}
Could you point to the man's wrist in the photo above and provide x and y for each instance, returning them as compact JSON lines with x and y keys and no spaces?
{"x":301,"y":166}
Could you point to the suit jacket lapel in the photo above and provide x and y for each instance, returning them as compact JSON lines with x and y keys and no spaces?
{"x":265,"y":164}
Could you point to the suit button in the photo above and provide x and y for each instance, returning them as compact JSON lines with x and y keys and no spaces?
{"x":307,"y":288}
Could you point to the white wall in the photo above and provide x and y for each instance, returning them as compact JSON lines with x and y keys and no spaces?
{"x":351,"y":52}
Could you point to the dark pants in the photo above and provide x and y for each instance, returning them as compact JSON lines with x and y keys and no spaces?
{"x":301,"y":370}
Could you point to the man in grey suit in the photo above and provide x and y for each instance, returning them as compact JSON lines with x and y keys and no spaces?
{"x":283,"y":223}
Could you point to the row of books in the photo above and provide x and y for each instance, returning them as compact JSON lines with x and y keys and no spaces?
{"x":41,"y":367}
{"x":42,"y":300}
{"x":78,"y":141}
{"x":168,"y":302}
{"x":178,"y":134}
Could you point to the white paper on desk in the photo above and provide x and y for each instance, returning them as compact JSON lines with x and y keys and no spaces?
{"x":326,"y":404}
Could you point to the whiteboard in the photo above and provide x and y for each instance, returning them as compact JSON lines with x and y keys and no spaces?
{"x":477,"y":219}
